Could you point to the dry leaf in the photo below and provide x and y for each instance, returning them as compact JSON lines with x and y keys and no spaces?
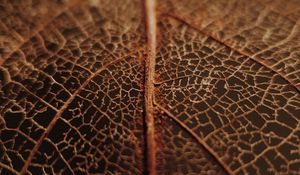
{"x":145,"y":87}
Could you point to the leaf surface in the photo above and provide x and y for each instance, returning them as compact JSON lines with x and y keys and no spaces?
{"x":145,"y":87}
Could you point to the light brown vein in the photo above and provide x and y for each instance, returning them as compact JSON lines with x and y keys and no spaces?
{"x":74,"y":3}
{"x":149,"y":84}
{"x":200,"y":141}
{"x":59,"y":113}
{"x":265,"y":63}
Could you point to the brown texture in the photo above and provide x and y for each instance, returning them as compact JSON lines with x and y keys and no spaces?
{"x":145,"y":87}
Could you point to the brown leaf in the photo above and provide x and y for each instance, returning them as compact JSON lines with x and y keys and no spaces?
{"x":145,"y":87}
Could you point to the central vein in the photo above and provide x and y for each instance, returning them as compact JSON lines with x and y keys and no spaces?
{"x":149,"y":84}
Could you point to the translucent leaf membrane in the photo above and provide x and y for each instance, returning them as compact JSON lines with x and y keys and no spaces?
{"x":72,"y":94}
{"x":74,"y":87}
{"x":179,"y":152}
{"x":20,"y":20}
{"x":267,"y":31}
{"x":247,"y":114}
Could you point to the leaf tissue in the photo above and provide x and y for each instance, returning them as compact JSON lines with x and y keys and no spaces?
{"x":150,"y":87}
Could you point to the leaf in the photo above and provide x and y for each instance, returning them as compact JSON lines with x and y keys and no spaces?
{"x":138,"y":87}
